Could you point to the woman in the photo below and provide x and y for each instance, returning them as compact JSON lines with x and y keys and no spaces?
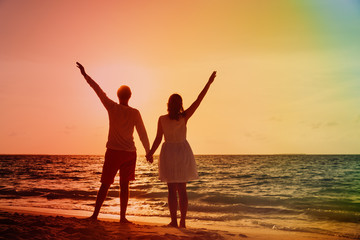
{"x":176,"y":162}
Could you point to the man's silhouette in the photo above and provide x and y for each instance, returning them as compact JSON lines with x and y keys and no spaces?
{"x":121,"y":151}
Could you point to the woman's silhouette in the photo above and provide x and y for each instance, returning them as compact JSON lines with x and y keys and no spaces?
{"x":176,"y":162}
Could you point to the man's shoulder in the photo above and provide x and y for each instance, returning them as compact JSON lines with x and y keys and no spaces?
{"x":133,"y":111}
{"x":126,"y":108}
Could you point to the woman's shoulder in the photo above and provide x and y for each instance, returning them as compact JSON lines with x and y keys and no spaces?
{"x":164,"y":117}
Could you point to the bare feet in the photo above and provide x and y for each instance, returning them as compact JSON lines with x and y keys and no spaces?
{"x":173,"y":224}
{"x":125,"y":221}
{"x":92,"y":218}
{"x":182,"y":223}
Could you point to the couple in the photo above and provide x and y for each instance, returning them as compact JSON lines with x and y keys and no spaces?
{"x":176,"y":162}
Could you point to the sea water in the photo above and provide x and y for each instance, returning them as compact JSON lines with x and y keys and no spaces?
{"x":308,"y":193}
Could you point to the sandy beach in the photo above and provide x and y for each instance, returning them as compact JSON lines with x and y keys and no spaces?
{"x":35,"y":223}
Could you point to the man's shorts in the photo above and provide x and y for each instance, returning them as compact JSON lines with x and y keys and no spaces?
{"x":118,"y":160}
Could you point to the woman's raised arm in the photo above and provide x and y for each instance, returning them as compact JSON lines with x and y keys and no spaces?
{"x":190,"y":111}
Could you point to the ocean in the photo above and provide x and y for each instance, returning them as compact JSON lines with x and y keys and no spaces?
{"x":307,"y":193}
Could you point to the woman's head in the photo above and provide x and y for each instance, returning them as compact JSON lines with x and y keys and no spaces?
{"x":175,"y":106}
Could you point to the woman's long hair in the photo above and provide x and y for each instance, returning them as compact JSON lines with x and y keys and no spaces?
{"x":175,"y":107}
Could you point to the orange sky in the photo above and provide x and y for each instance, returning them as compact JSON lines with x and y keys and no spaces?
{"x":287,"y":73}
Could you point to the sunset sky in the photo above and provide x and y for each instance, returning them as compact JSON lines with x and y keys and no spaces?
{"x":288,"y":72}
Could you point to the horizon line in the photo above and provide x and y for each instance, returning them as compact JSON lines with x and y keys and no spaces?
{"x":197,"y":154}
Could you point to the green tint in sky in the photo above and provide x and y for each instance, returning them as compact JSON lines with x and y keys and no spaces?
{"x":288,"y":72}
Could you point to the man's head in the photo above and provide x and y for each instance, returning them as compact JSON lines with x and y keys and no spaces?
{"x":124,"y":93}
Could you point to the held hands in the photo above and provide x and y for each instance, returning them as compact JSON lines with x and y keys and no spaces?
{"x":212,"y":77}
{"x":82,"y":69}
{"x":149,"y":158}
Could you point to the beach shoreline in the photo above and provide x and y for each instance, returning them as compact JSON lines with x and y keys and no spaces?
{"x":42,"y":223}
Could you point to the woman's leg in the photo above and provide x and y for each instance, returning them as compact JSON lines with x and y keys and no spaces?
{"x":183,"y":202}
{"x":172,"y":201}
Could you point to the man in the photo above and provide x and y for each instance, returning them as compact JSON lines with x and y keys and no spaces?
{"x":121,"y":151}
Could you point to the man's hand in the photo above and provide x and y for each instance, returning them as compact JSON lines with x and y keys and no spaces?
{"x":82,"y":69}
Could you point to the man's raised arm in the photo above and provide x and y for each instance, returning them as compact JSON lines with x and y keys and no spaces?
{"x":101,"y":94}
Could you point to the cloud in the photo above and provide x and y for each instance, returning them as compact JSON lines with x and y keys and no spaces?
{"x":358,"y":119}
{"x":70,"y":129}
{"x":13,"y":134}
{"x":275,"y":119}
{"x":319,"y":125}
{"x":331,"y":124}
{"x":316,"y":125}
{"x":255,"y":136}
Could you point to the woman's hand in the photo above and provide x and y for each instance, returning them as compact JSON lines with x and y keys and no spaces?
{"x":212,"y":77}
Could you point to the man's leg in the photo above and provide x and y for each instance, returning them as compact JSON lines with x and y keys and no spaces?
{"x":100,"y":199}
{"x":127,"y":173}
{"x":124,"y":198}
{"x":183,"y":202}
{"x":107,"y":178}
{"x":172,"y":202}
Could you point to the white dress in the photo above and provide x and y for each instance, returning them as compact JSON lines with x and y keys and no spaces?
{"x":176,"y":161}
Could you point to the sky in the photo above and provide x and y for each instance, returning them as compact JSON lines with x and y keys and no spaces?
{"x":287,"y":73}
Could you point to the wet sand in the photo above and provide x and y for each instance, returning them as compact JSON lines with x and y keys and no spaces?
{"x":35,"y":223}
